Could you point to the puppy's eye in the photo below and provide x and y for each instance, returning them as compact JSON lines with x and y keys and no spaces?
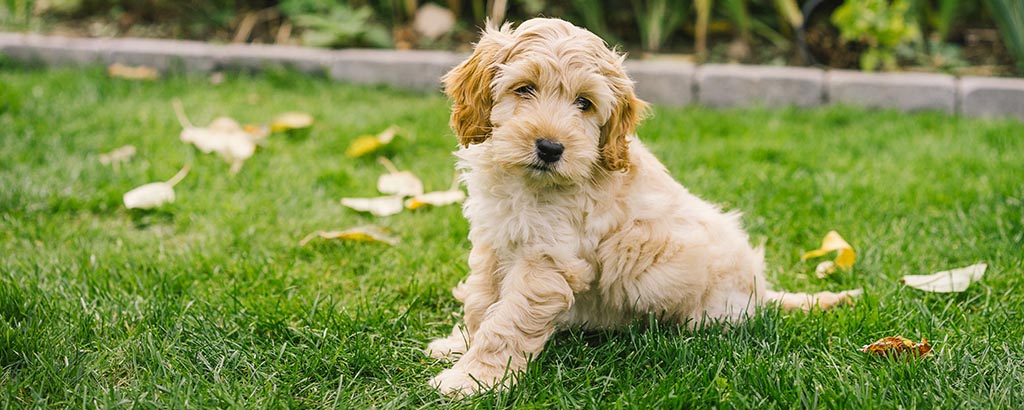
{"x":583,"y":104}
{"x":525,"y":91}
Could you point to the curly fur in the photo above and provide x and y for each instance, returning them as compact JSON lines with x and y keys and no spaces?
{"x":598,"y":239}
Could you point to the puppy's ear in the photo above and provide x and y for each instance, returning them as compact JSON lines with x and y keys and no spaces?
{"x":469,"y":86}
{"x":626,"y":116}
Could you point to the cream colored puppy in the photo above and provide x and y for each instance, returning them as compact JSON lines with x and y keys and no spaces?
{"x":572,"y":220}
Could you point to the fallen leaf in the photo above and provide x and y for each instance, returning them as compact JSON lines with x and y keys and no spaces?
{"x":436,"y":198}
{"x":118,"y":156}
{"x":369,"y":233}
{"x":154,"y":194}
{"x":223,"y":136}
{"x":956,"y":280}
{"x":380,"y":206}
{"x":291,"y":121}
{"x":119,"y":70}
{"x":897,"y":345}
{"x":395,"y":182}
{"x":833,"y":242}
{"x":368,"y":143}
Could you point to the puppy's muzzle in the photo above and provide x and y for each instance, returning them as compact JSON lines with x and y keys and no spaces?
{"x":549,"y":151}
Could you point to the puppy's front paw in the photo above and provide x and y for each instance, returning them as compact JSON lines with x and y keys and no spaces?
{"x":448,"y":348}
{"x":458,"y":382}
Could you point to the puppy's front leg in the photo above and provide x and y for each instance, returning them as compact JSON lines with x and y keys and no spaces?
{"x":533,"y":294}
{"x":477,"y":293}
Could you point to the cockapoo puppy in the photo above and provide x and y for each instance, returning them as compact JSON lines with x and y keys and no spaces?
{"x":573,"y":221}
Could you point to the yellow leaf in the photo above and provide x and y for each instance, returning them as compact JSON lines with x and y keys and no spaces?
{"x":400,"y":183}
{"x":380,"y":206}
{"x":291,"y":121}
{"x":956,"y":280}
{"x":118,"y":70}
{"x":223,"y":136}
{"x":154,"y":194}
{"x":368,"y":143}
{"x":436,"y":198}
{"x":118,"y":156}
{"x":833,"y":242}
{"x":369,"y":233}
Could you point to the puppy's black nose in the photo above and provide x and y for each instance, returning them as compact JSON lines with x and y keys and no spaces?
{"x":548,"y":150}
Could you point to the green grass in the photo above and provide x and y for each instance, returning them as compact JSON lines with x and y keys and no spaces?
{"x":211,"y":302}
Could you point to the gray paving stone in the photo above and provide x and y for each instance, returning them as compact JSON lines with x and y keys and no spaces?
{"x":256,"y":57}
{"x":164,"y":55}
{"x":992,"y":97}
{"x":10,"y":39}
{"x":59,"y":51}
{"x":663,"y":82}
{"x":417,"y":70}
{"x":902,"y":91}
{"x":743,"y":86}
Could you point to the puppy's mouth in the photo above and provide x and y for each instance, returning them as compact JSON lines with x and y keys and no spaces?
{"x":540,"y":167}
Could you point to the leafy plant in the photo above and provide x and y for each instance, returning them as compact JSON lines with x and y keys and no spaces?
{"x":17,"y":13}
{"x":1009,"y":16}
{"x":592,"y":13}
{"x":337,"y":25}
{"x":880,"y":24}
{"x":657,"y":19}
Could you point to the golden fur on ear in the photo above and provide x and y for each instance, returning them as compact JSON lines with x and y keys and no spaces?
{"x":626,"y":116}
{"x":469,"y":87}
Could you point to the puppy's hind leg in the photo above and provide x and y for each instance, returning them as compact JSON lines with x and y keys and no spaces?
{"x":514,"y":330}
{"x":477,"y":293}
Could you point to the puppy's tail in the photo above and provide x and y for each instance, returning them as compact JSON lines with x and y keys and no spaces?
{"x":806,"y":301}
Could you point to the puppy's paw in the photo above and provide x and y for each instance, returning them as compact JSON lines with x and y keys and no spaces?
{"x":448,"y":348}
{"x":458,"y":382}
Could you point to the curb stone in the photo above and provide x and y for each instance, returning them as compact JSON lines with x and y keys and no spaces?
{"x":672,"y":83}
{"x":58,"y":51}
{"x":720,"y":85}
{"x":663,"y":82}
{"x":256,"y":57}
{"x":992,"y":97}
{"x":164,"y":55}
{"x":910,"y":92}
{"x":412,"y":69}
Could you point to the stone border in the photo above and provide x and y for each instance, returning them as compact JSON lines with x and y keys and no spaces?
{"x":662,"y":82}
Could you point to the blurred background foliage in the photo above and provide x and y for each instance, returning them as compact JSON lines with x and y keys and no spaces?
{"x":984,"y":37}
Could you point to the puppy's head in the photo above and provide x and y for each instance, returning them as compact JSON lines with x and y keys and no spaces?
{"x":551,"y":98}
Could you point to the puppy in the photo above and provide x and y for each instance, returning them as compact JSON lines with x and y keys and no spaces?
{"x":573,"y":221}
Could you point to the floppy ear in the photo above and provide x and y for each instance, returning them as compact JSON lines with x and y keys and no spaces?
{"x":625,"y":117}
{"x":469,"y":87}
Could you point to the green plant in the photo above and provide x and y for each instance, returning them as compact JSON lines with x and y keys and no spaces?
{"x":1009,"y":16}
{"x":592,"y":13}
{"x":16,"y":13}
{"x":336,"y":25}
{"x":657,"y":20}
{"x":880,"y":24}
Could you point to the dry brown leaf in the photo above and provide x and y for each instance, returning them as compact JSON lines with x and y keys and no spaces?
{"x":223,"y":136}
{"x":436,"y":198}
{"x":291,"y":121}
{"x":896,"y":346}
{"x":400,"y":183}
{"x":380,"y":206}
{"x":118,"y":70}
{"x":956,"y":280}
{"x":368,"y":143}
{"x":369,"y":233}
{"x":844,"y":257}
{"x":154,"y":194}
{"x":118,"y":156}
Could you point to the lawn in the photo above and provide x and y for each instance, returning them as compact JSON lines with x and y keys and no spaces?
{"x":212,"y":302}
